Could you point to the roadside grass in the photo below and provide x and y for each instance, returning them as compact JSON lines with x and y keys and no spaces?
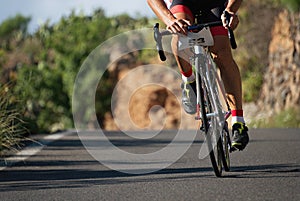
{"x":11,"y":125}
{"x":289,"y":118}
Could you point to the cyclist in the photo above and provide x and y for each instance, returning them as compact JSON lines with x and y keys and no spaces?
{"x":177,"y":15}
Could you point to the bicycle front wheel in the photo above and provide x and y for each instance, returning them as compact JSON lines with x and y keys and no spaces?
{"x":213,"y":117}
{"x":225,"y":138}
{"x":210,"y":124}
{"x":215,"y":149}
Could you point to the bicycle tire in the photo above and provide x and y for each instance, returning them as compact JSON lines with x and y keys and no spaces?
{"x":225,"y":143}
{"x":214,"y":123}
{"x":226,"y":148}
{"x":211,"y":139}
{"x":215,"y":154}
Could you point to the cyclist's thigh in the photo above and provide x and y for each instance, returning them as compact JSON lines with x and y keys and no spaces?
{"x":181,"y":10}
{"x":221,"y":50}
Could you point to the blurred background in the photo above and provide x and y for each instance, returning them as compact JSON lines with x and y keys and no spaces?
{"x":43,"y":11}
{"x":44,"y":43}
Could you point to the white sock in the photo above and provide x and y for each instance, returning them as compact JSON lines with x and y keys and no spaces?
{"x":188,"y":79}
{"x":236,"y":119}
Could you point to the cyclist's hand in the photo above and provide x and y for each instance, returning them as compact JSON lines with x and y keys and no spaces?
{"x":179,"y":26}
{"x":233,"y":20}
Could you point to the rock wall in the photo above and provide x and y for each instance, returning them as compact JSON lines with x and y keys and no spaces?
{"x":146,"y":97}
{"x":281,"y":88}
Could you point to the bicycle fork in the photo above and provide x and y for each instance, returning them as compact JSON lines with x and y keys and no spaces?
{"x":199,"y":58}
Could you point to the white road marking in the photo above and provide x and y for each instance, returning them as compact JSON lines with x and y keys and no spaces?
{"x":32,"y":149}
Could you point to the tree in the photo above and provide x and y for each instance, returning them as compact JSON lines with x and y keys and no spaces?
{"x":13,"y":28}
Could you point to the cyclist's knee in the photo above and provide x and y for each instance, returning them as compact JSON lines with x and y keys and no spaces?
{"x":222,"y":56}
{"x":221,"y":50}
{"x":179,"y":51}
{"x":174,"y":43}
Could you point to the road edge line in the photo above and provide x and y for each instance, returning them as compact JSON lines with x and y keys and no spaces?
{"x":33,"y":149}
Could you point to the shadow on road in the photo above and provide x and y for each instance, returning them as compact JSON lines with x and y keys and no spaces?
{"x":74,"y":178}
{"x":47,"y":170}
{"x":266,"y":171}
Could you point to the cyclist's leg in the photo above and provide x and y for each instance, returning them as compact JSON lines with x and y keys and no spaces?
{"x":232,"y":81}
{"x":230,"y":73}
{"x":182,"y":58}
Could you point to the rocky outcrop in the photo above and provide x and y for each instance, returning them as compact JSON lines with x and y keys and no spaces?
{"x":281,"y":87}
{"x":146,"y":97}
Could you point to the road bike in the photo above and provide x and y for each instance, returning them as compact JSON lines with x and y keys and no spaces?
{"x":212,"y":108}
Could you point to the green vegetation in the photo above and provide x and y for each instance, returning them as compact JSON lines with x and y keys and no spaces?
{"x":289,"y":118}
{"x":13,"y":30}
{"x":56,"y":53}
{"x":41,"y":69}
{"x":11,"y":125}
{"x":293,"y":5}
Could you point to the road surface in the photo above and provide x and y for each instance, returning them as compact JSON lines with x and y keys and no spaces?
{"x":62,"y":169}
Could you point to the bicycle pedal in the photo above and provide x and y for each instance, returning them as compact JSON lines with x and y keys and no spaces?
{"x":202,"y":128}
{"x":232,"y":149}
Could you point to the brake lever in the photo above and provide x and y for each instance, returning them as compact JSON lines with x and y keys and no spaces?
{"x":230,"y":31}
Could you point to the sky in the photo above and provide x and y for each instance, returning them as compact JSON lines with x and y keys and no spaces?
{"x":53,"y":10}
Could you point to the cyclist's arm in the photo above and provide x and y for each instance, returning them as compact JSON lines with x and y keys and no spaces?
{"x":163,"y":13}
{"x":232,"y":8}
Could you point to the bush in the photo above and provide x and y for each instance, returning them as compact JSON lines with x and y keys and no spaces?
{"x":293,"y":5}
{"x":289,"y":118}
{"x":47,"y":105}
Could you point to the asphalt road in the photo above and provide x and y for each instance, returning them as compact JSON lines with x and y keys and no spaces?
{"x":269,"y":169}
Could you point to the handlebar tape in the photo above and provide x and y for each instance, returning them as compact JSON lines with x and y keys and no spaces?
{"x":157,"y":37}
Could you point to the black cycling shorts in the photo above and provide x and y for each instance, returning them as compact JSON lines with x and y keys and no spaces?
{"x":206,"y":10}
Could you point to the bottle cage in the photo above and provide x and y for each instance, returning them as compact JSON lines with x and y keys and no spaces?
{"x":201,"y":38}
